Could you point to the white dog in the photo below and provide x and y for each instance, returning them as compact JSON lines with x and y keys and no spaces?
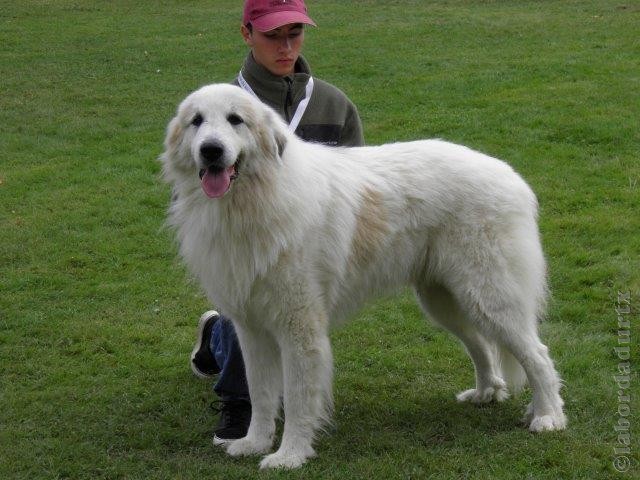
{"x":286,"y":236}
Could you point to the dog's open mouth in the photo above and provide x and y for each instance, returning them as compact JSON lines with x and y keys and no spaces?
{"x":216,"y":181}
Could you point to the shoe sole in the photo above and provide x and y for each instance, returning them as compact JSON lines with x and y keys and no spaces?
{"x":201,"y":323}
{"x":220,"y":442}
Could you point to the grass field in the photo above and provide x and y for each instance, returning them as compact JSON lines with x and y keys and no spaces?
{"x":97,"y":316}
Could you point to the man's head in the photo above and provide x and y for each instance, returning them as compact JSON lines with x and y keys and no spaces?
{"x":274,"y":29}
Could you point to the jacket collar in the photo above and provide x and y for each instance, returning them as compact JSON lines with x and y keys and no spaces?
{"x":274,"y":90}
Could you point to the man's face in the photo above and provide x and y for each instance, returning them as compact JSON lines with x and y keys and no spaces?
{"x":277,"y":50}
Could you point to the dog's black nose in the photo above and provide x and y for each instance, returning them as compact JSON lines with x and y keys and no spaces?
{"x":211,"y":151}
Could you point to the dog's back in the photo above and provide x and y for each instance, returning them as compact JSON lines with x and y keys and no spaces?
{"x":391,"y":214}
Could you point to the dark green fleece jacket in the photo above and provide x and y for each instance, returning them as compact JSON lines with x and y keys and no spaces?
{"x":330,"y":118}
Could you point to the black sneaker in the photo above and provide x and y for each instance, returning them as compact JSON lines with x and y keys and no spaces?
{"x":235,"y":416}
{"x":203,"y":363}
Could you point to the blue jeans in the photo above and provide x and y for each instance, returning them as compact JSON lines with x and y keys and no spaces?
{"x":232,"y":380}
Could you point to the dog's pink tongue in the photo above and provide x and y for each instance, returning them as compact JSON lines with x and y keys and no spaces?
{"x":216,"y":185}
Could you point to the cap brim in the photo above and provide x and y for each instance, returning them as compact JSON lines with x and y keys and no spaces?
{"x":275,"y":20}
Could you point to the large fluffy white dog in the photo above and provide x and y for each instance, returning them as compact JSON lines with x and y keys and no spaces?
{"x":286,"y":236}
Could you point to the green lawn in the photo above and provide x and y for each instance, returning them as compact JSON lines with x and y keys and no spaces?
{"x":97,"y":316}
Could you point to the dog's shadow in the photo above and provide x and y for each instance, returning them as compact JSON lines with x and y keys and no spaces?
{"x":435,"y":421}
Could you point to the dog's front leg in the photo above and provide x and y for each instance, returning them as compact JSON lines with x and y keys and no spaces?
{"x":307,"y":368}
{"x":264,"y":377}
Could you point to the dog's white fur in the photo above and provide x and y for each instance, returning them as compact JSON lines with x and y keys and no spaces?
{"x":307,"y":233}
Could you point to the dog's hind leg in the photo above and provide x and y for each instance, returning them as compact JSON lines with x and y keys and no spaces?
{"x":546,"y":409}
{"x":522,"y":341}
{"x":443,"y":309}
{"x":505,"y":305}
{"x":264,"y":378}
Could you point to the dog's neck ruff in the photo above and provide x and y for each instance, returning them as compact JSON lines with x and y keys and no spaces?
{"x":302,"y":106}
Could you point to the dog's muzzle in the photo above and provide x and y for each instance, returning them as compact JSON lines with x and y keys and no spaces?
{"x":215,"y":177}
{"x":211,"y":155}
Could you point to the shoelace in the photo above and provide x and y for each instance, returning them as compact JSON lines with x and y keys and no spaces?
{"x":232,"y":409}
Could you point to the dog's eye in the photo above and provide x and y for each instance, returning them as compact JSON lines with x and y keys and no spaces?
{"x":234,"y":119}
{"x":197,"y":120}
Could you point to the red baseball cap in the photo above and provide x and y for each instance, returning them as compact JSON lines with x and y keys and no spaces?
{"x":265,"y":15}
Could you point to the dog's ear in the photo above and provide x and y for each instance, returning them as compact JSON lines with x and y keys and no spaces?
{"x":174,"y":135}
{"x":175,"y":159}
{"x":279,"y":130}
{"x":272,"y":135}
{"x":281,"y":141}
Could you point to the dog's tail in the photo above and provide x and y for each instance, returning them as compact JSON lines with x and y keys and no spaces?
{"x":512,"y":371}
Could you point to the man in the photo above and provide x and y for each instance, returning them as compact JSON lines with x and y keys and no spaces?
{"x":276,"y":73}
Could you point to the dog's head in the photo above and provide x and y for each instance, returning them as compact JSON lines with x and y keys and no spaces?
{"x":221,"y":133}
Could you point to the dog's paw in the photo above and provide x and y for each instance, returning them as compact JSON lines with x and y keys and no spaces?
{"x":287,"y":459}
{"x":542,"y":423}
{"x":546,"y":423}
{"x":496,"y":393}
{"x":248,"y":446}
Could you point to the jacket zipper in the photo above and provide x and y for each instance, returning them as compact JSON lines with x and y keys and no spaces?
{"x":289,"y":98}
